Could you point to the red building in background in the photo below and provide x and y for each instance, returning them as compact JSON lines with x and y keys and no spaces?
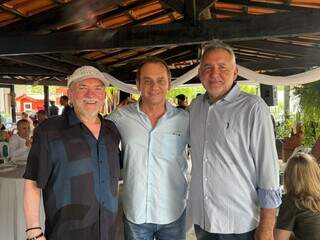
{"x":29,"y":104}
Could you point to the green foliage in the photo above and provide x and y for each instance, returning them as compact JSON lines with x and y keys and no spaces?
{"x":38,"y":89}
{"x":278,"y":111}
{"x":309,"y":95}
{"x":248,"y":89}
{"x":189,"y":92}
{"x":284,"y":128}
{"x":192,"y":92}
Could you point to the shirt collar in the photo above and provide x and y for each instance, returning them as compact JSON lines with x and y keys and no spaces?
{"x":233,"y":93}
{"x":169,"y":106}
{"x":74,"y":120}
{"x":229,"y":97}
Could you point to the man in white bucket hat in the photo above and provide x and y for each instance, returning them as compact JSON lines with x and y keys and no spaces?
{"x":74,"y":161}
{"x":86,"y":72}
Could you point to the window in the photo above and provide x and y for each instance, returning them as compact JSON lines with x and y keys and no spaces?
{"x":27,"y":106}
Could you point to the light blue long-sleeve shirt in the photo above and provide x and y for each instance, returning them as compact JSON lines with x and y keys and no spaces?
{"x":155,"y":165}
{"x":234,"y":162}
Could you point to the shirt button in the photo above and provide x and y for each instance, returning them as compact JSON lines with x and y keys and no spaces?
{"x":206,"y":179}
{"x":206,"y":197}
{"x":205,"y":160}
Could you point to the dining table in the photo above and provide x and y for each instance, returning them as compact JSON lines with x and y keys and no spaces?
{"x":12,"y":223}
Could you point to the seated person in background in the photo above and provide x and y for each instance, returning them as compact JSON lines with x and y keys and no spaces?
{"x":25,"y":115}
{"x":300,"y":209}
{"x":316,"y":150}
{"x":20,"y":143}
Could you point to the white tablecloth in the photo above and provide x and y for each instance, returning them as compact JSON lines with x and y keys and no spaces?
{"x":12,"y":224}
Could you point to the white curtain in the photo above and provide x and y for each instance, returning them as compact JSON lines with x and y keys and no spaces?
{"x":297,"y":79}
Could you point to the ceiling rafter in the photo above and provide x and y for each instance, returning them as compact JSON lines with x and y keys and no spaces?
{"x":41,"y":62}
{"x":10,"y":81}
{"x":40,"y":23}
{"x":270,"y":5}
{"x":30,"y":70}
{"x":278,"y":47}
{"x":176,"y":5}
{"x":248,"y":28}
{"x":13,"y":11}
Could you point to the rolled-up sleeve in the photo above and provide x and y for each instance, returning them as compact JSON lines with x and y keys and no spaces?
{"x":269,"y":198}
{"x":264,"y":153}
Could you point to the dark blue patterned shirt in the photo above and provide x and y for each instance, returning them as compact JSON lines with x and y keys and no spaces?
{"x":78,"y":175}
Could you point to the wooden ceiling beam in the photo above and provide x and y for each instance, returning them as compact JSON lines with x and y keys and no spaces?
{"x":34,"y":24}
{"x":66,"y":14}
{"x":13,"y":11}
{"x":248,"y":28}
{"x":278,"y":47}
{"x":4,"y":1}
{"x":284,"y":7}
{"x":76,"y":61}
{"x":55,"y":82}
{"x":267,"y":65}
{"x":29,"y":70}
{"x":190,"y":12}
{"x":176,"y":5}
{"x":194,"y":8}
{"x":204,"y":5}
{"x":41,"y":62}
{"x":177,"y":51}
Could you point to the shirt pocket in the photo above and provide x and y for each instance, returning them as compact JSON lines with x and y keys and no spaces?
{"x":171,"y":145}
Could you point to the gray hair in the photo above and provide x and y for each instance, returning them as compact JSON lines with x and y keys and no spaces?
{"x":217,"y":44}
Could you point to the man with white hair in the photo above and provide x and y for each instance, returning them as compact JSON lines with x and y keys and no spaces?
{"x":74,"y":161}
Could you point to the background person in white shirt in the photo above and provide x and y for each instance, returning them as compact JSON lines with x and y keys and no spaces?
{"x":234,"y":189}
{"x":20,"y":143}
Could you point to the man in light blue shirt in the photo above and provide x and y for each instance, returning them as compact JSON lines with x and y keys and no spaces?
{"x":154,"y":137}
{"x":234,"y":188}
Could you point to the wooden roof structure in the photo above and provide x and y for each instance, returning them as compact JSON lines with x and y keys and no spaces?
{"x":43,"y":41}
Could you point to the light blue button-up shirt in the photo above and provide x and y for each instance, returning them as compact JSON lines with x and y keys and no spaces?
{"x":155,"y":165}
{"x":234,"y":162}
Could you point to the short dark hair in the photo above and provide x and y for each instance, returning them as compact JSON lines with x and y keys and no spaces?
{"x":156,"y":61}
{"x":181,"y":97}
{"x":42,"y":112}
{"x":64,"y":97}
